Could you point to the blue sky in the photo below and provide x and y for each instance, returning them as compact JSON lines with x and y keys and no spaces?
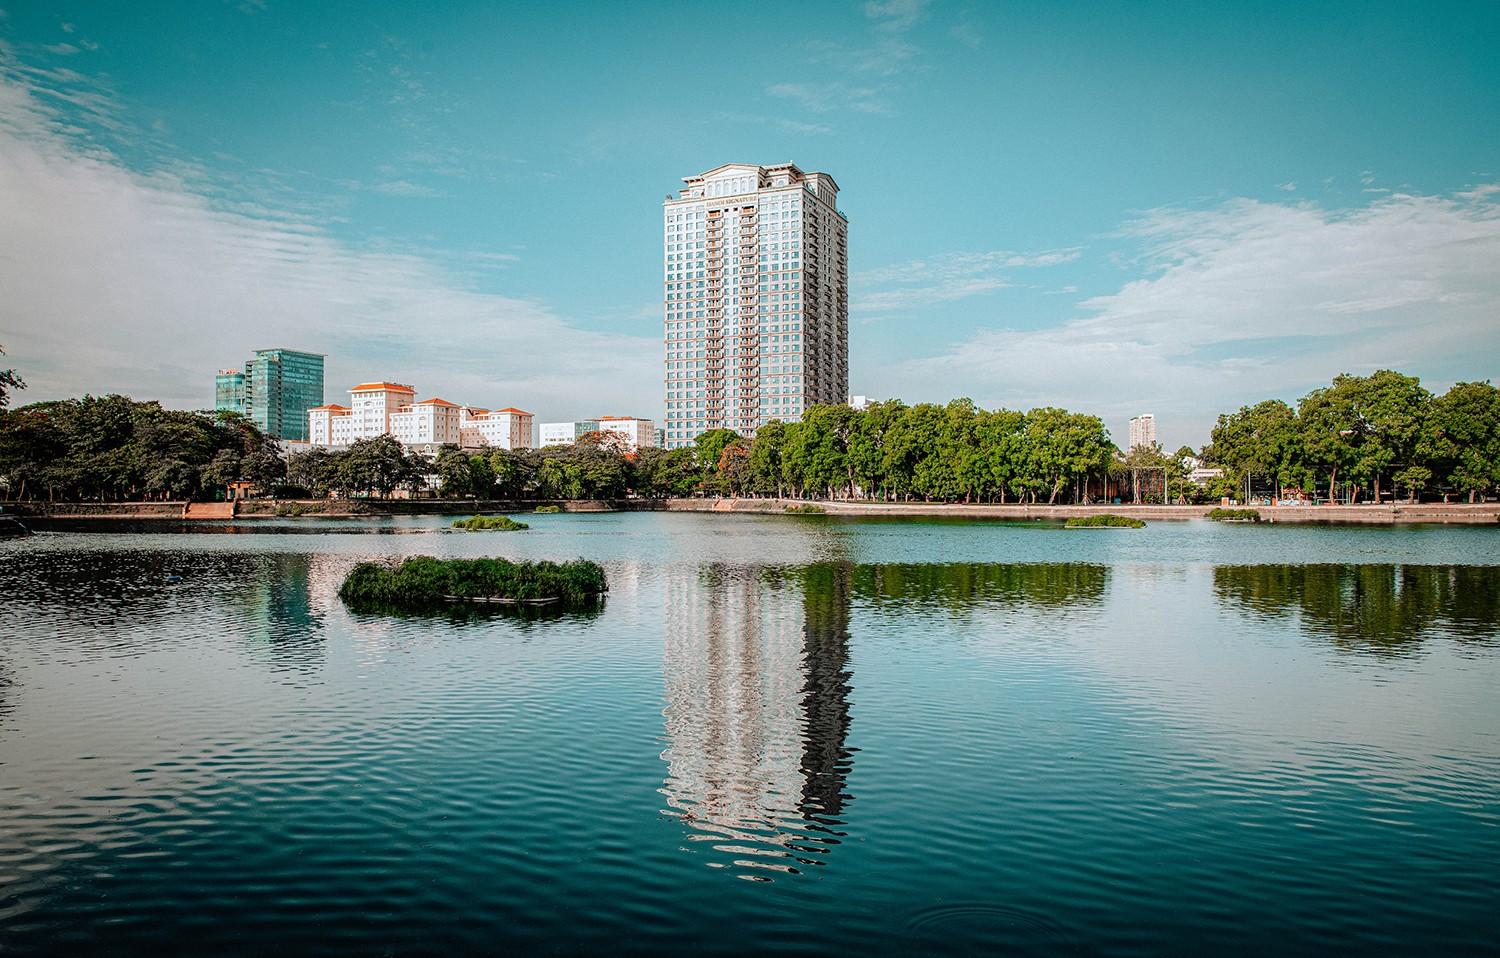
{"x":1115,"y":207}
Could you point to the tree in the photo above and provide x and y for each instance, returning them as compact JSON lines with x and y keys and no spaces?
{"x":1260,"y":440}
{"x":453,"y":472}
{"x":1462,"y":438}
{"x":1000,"y":438}
{"x":8,"y":380}
{"x":1387,"y":411}
{"x":1061,"y":447}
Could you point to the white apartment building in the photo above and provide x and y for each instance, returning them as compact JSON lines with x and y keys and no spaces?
{"x":756,"y":299}
{"x":382,"y":408}
{"x":636,"y":433}
{"x":563,"y":433}
{"x":1142,"y":430}
{"x":426,"y":425}
{"x":508,"y":428}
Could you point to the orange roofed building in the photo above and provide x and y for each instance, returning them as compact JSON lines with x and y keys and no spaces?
{"x":383,"y":408}
{"x":508,"y":428}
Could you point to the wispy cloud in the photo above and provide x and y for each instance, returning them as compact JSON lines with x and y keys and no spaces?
{"x":403,"y":188}
{"x":827,"y":97}
{"x":1251,"y":300}
{"x":859,"y":76}
{"x":139,"y":281}
{"x":949,"y":276}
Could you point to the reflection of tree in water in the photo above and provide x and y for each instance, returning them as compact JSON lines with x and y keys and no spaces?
{"x":1379,"y":608}
{"x":959,"y":587}
{"x":757,"y":713}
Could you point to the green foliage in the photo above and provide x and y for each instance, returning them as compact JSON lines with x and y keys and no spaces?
{"x":806,"y":509}
{"x":500,"y":523}
{"x":423,"y":582}
{"x":112,"y":448}
{"x":548,"y":510}
{"x":1104,"y":520}
{"x":1233,"y":515}
{"x":1365,"y":434}
{"x":8,"y":381}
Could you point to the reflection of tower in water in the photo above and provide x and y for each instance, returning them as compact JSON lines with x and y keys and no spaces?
{"x":757,"y":713}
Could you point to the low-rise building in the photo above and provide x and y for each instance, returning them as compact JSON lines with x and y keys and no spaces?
{"x":636,"y":433}
{"x":564,"y":433}
{"x":508,"y":428}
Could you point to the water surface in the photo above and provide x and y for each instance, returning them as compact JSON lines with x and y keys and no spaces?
{"x":778,"y":735}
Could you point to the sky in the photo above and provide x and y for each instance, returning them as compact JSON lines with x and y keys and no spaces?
{"x":1114,"y":207}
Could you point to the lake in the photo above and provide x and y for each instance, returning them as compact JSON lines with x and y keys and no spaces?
{"x":777,"y":735}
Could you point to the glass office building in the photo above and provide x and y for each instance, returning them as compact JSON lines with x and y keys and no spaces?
{"x":281,"y":385}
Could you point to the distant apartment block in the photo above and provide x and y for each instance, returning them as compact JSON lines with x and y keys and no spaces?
{"x":508,"y":428}
{"x":634,"y":434}
{"x":1143,"y":430}
{"x":564,"y":433}
{"x":637,"y":433}
{"x":384,"y":408}
{"x":756,"y":299}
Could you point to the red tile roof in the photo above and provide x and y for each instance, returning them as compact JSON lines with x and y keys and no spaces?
{"x":513,"y":409}
{"x":398,"y":387}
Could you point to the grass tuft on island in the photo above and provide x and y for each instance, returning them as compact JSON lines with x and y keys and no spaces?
{"x":423,"y":582}
{"x":1104,"y":520}
{"x":807,"y":509}
{"x":547,"y":510}
{"x":1233,"y":515}
{"x":501,"y":523}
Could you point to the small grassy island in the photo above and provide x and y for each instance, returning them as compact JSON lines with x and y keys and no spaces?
{"x":547,"y":510}
{"x":502,"y":523}
{"x":1104,"y":520}
{"x":1233,"y":515}
{"x":423,"y":582}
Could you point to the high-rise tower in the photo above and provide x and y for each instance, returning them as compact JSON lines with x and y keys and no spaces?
{"x":756,"y":299}
{"x":281,"y":385}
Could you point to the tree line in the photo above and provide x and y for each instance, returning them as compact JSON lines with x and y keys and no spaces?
{"x":1368,"y":435}
{"x":1375,"y":435}
{"x":115,"y":448}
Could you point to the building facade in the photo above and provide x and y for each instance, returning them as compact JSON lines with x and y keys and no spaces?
{"x":229,"y":391}
{"x":635,"y":434}
{"x":280,"y":386}
{"x":756,"y":299}
{"x":563,"y":433}
{"x":508,"y":428}
{"x":1143,"y":430}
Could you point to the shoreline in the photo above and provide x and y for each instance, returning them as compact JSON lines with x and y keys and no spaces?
{"x":252,"y":511}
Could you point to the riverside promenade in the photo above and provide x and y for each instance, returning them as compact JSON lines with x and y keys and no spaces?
{"x":1362,"y":514}
{"x":1387,"y":514}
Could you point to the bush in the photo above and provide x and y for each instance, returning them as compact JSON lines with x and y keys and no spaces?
{"x":423,"y":582}
{"x":548,"y":510}
{"x":502,"y":523}
{"x":1104,"y":520}
{"x":807,"y":509}
{"x":1233,"y":515}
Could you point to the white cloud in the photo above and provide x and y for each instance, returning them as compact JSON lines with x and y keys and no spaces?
{"x":1254,"y":300}
{"x":141,"y":283}
{"x":919,"y":283}
{"x":827,"y":97}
